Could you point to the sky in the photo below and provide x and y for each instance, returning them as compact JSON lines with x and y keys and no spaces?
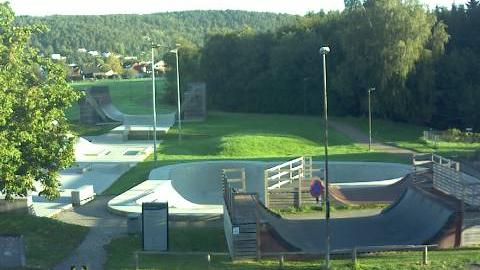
{"x":96,"y":7}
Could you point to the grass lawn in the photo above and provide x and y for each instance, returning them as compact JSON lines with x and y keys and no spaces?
{"x":47,"y":241}
{"x":252,"y":137}
{"x":409,"y":136}
{"x":121,"y":256}
{"x":130,"y":96}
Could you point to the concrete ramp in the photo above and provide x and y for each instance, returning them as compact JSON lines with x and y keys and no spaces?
{"x":112,"y":113}
{"x":416,"y":218}
{"x":98,"y":107}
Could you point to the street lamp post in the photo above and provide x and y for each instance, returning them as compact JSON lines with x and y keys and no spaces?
{"x":179,"y":117}
{"x":370,"y":90}
{"x":324,"y":51}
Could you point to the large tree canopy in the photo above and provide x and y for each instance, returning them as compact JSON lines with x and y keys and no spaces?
{"x":34,"y":133}
{"x":388,"y":44}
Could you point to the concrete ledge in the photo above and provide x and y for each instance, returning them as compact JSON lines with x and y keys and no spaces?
{"x":82,"y":195}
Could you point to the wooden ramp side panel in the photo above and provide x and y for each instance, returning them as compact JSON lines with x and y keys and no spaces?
{"x":471,"y":229}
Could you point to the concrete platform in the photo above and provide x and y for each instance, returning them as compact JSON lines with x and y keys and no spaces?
{"x":100,"y":161}
{"x":195,"y":188}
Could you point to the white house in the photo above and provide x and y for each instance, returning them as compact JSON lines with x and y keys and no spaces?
{"x":94,"y":53}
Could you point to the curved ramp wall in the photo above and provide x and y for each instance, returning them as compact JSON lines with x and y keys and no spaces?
{"x":195,"y":188}
{"x":415,"y":219}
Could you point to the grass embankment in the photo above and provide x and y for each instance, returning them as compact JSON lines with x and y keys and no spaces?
{"x":47,"y":241}
{"x":252,"y":137}
{"x":121,"y":256}
{"x":130,"y":96}
{"x":409,"y":136}
{"x":306,"y":209}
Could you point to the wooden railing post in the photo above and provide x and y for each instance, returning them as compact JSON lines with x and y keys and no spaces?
{"x":265,"y":194}
{"x":257,"y":216}
{"x":300,"y":192}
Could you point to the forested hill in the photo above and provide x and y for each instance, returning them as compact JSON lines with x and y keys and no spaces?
{"x":124,"y":33}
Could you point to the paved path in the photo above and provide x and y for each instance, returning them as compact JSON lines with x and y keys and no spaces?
{"x":103,"y":227}
{"x":360,"y":137}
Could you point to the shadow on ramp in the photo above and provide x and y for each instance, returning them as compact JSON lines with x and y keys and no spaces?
{"x":416,"y":218}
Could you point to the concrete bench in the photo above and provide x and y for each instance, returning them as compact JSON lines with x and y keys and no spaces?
{"x":82,"y":195}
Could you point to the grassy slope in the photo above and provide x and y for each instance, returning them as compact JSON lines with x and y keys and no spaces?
{"x":249,"y":136}
{"x":121,"y":256}
{"x":409,"y":136}
{"x":132,"y":96}
{"x":48,"y":241}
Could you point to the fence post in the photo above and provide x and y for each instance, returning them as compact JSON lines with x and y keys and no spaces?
{"x":136,"y":261}
{"x":265,"y":194}
{"x":425,"y":255}
{"x":354,"y":256}
{"x":281,"y":261}
{"x":209,"y":260}
{"x":300,"y":192}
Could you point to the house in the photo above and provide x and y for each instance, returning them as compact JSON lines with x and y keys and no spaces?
{"x":57,"y":56}
{"x":160,"y":66}
{"x":82,"y":50}
{"x":94,"y":53}
{"x":106,"y":54}
{"x":75,"y":73}
{"x":112,"y":74}
{"x":141,"y":67}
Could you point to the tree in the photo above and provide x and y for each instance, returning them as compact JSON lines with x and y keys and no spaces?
{"x":114,"y":64}
{"x":472,"y":4}
{"x":34,"y":134}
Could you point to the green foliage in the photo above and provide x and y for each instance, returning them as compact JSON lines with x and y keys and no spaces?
{"x":34,"y":140}
{"x":124,"y":34}
{"x":389,"y":44}
{"x":410,"y":136}
{"x":112,"y":62}
{"x":189,"y":69}
{"x":132,"y":96}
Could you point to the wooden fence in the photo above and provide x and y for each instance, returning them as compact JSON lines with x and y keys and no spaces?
{"x":288,"y":184}
{"x":448,"y":178}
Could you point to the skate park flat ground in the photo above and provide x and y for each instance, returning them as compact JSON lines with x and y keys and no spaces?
{"x":100,"y":161}
{"x":195,"y":188}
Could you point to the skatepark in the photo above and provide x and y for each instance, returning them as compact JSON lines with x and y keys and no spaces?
{"x":247,"y":195}
{"x":195,"y":188}
{"x":101,"y":160}
{"x":244,"y":193}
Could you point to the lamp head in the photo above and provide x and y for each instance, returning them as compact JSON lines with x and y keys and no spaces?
{"x":371,"y":89}
{"x":324,"y":50}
